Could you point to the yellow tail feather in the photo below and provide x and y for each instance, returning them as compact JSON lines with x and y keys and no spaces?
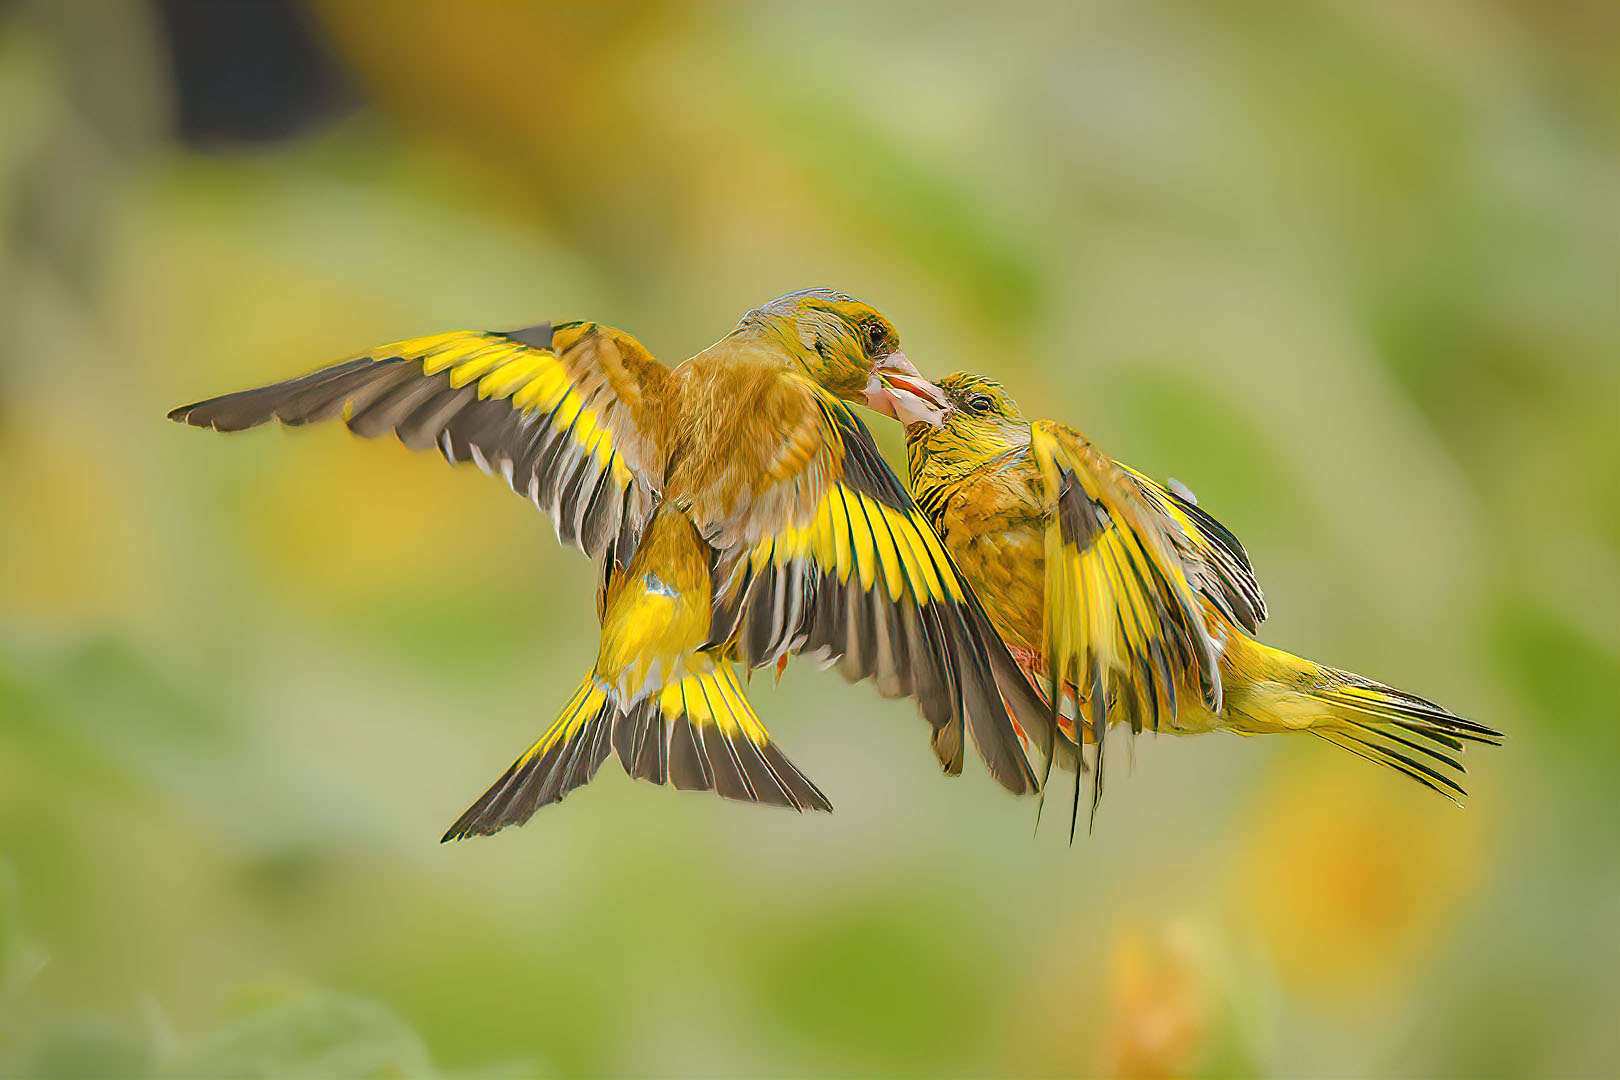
{"x":1273,"y":691}
{"x":565,"y":757}
{"x":699,"y":734}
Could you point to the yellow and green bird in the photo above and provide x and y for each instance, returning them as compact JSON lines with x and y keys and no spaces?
{"x":740,"y":513}
{"x":1124,"y":602}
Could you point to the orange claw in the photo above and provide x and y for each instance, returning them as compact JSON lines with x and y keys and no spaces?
{"x":781,"y":666}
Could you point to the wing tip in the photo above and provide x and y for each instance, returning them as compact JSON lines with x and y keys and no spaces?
{"x":191,"y":415}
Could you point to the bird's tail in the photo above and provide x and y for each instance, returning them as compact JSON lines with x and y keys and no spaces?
{"x":1268,"y":690}
{"x":699,"y":734}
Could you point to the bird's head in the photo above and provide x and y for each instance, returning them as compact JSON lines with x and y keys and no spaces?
{"x":851,"y":350}
{"x":980,"y":421}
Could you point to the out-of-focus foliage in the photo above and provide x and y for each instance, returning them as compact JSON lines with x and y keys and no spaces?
{"x":1349,"y":268}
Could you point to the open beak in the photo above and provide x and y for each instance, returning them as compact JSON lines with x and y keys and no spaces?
{"x":898,"y":389}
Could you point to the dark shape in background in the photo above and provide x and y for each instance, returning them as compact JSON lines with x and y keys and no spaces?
{"x":249,"y":71}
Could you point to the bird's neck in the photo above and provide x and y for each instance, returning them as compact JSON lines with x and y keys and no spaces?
{"x":941,"y":461}
{"x":771,"y":340}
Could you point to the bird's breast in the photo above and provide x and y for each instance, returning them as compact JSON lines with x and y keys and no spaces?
{"x":1000,"y":547}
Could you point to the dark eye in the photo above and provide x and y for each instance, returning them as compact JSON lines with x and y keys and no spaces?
{"x":980,"y":403}
{"x":876,"y":334}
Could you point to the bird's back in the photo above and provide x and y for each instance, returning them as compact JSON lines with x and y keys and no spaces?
{"x":738,"y":431}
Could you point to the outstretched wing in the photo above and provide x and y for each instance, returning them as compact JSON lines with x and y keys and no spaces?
{"x":571,"y":415}
{"x":1124,"y":625}
{"x":1215,"y":560}
{"x":835,"y":560}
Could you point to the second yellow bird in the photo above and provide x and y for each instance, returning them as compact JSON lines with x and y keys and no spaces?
{"x":1126,"y":603}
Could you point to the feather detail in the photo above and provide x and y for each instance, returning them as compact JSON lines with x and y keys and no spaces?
{"x":698,"y":734}
{"x":569,"y":416}
{"x":856,"y":577}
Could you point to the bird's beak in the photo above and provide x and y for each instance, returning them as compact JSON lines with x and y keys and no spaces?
{"x":898,"y":389}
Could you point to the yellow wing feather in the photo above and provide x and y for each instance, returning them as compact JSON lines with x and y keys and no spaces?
{"x":849,"y":571}
{"x":571,"y":415}
{"x":1124,"y":626}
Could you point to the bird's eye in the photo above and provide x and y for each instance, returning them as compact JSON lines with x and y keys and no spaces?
{"x":980,"y":403}
{"x":876,"y":334}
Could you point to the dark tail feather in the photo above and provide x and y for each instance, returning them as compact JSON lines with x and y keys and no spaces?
{"x":1390,"y":727}
{"x":699,"y":734}
{"x":564,"y":758}
{"x":702,"y":735}
{"x":1402,"y":731}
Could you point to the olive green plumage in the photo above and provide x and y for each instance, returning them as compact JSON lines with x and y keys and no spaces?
{"x":739,"y":514}
{"x":1126,"y":603}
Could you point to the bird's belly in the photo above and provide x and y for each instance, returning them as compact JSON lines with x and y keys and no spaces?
{"x":1007,"y":568}
{"x":656,"y":614}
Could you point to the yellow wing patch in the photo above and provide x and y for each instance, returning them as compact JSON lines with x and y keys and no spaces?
{"x":569,"y":415}
{"x":1123,"y":624}
{"x":861,"y":540}
{"x":849,"y":572}
{"x":532,"y":380}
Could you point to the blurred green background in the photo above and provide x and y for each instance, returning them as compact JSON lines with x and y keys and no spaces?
{"x":1348,"y":268}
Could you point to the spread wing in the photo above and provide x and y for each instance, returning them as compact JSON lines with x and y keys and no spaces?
{"x":1123,"y":620}
{"x":570,"y":415}
{"x":1214,"y":558}
{"x":836,"y":561}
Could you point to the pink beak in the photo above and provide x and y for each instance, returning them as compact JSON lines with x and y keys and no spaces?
{"x":898,"y":389}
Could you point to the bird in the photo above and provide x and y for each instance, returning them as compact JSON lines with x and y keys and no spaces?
{"x":1127,"y":603}
{"x":739,"y":513}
